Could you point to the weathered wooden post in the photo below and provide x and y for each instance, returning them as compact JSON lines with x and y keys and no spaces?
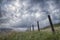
{"x":38,"y":25}
{"x":30,"y":28}
{"x":33,"y":27}
{"x":51,"y":24}
{"x":50,"y":21}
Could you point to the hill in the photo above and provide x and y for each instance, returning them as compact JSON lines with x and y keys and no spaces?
{"x":45,"y":34}
{"x":55,"y":25}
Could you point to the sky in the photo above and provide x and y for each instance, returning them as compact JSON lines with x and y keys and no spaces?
{"x":24,"y":13}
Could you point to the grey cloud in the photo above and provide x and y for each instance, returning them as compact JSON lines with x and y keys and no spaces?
{"x":23,"y":14}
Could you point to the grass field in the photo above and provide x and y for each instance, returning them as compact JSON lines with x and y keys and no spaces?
{"x":45,"y":34}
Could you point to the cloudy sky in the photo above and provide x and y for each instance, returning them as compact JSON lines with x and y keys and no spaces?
{"x":24,"y":13}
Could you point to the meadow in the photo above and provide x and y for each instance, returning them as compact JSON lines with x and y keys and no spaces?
{"x":45,"y":34}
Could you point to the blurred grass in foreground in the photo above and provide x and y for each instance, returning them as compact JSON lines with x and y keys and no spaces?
{"x":31,"y":36}
{"x":45,"y":34}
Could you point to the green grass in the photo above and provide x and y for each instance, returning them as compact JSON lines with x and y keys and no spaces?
{"x":32,"y":36}
{"x":45,"y":34}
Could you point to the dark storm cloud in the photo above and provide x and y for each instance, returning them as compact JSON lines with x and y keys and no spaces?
{"x":45,"y":5}
{"x":24,"y":13}
{"x":3,"y":20}
{"x":37,"y":1}
{"x":1,"y":1}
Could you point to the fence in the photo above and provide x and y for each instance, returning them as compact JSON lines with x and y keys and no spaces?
{"x":51,"y":24}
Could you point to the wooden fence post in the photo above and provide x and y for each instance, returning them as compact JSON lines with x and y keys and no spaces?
{"x":38,"y":25}
{"x":33,"y":27}
{"x":51,"y":24}
{"x":30,"y":28}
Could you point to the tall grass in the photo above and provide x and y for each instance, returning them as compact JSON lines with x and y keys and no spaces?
{"x":36,"y":35}
{"x":44,"y":34}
